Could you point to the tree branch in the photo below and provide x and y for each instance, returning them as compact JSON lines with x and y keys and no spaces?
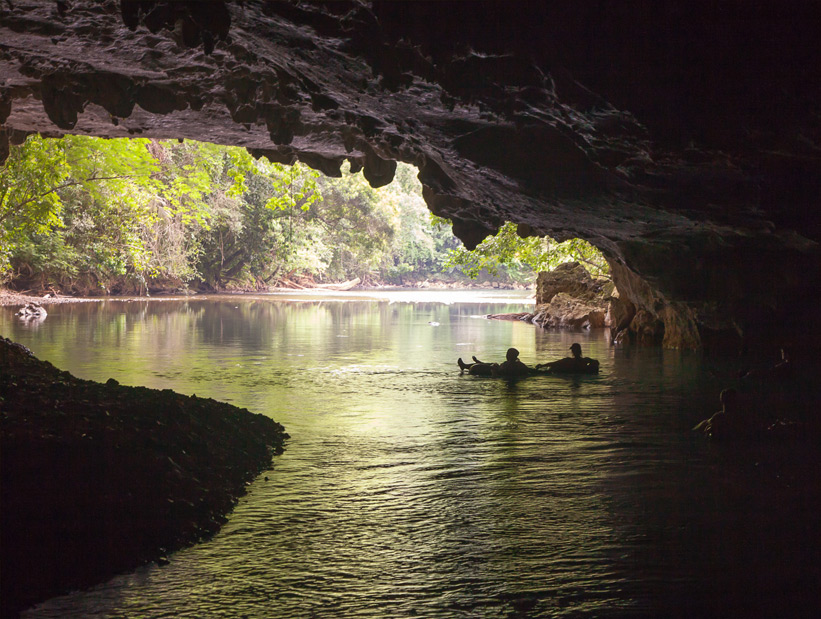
{"x":593,"y":264}
{"x":65,"y":185}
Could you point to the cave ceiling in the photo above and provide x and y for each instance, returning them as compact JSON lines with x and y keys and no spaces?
{"x":682,"y":138}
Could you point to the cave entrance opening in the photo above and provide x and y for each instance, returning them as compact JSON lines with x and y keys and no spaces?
{"x":86,"y":215}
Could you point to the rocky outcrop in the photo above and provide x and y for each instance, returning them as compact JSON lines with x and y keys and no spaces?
{"x":620,"y":316}
{"x":568,"y":297}
{"x":680,"y":139}
{"x":100,"y":478}
{"x":568,"y":312}
{"x":572,"y":279}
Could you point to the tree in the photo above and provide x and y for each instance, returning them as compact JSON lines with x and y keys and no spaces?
{"x":522,"y":258}
{"x":252,"y":231}
{"x":420,"y":243}
{"x":92,"y":213}
{"x":354,"y":223}
{"x":42,"y":174}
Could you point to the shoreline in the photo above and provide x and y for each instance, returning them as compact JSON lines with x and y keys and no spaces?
{"x":12,"y":298}
{"x":99,"y":478}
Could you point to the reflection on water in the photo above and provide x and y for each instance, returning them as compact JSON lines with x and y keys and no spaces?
{"x":409,"y":490}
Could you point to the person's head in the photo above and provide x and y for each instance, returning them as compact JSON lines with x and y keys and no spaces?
{"x":512,"y":354}
{"x":576,"y":349}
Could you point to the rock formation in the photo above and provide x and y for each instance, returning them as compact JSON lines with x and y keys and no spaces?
{"x":573,"y":279}
{"x":681,"y":138}
{"x":32,"y":311}
{"x":99,"y":478}
{"x":565,"y":311}
{"x":567,"y":297}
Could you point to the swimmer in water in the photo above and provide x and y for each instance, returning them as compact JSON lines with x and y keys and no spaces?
{"x":511,"y":367}
{"x":731,"y":421}
{"x":571,"y":365}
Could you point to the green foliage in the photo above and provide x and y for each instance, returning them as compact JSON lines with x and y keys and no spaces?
{"x":251,"y":237}
{"x":421,"y":242}
{"x":522,"y":258}
{"x":29,"y":202}
{"x":124,"y":215}
{"x":45,"y":181}
{"x":354,"y":223}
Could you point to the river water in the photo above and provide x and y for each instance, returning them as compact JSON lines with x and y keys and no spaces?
{"x":410,"y":490}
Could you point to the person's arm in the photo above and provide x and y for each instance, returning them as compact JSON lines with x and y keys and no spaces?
{"x":705,"y":426}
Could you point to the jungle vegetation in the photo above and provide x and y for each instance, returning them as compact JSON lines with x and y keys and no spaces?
{"x":87,"y":215}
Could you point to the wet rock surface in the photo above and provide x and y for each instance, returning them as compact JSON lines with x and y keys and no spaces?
{"x":32,"y":311}
{"x":680,"y":138}
{"x":565,"y":311}
{"x":568,"y":298}
{"x":100,"y":478}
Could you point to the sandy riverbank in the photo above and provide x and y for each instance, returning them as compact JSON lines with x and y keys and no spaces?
{"x":12,"y":298}
{"x":8,"y":297}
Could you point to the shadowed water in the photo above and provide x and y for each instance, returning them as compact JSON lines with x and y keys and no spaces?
{"x":409,"y":490}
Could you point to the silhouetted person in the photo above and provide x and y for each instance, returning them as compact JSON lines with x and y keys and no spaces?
{"x":466,"y":366}
{"x":571,"y":365}
{"x":511,"y":367}
{"x":731,"y":421}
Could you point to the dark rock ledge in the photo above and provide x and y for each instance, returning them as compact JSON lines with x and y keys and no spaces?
{"x":100,"y":478}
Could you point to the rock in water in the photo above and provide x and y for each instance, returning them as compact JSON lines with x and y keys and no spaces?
{"x":32,"y":311}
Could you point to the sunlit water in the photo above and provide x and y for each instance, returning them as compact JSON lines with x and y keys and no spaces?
{"x":409,"y":490}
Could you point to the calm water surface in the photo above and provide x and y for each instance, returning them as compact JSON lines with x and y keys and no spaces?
{"x":409,"y":490}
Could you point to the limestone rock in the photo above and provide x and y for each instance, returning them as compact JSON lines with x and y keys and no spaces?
{"x":565,"y":311}
{"x":645,"y":328}
{"x":680,"y":329}
{"x":568,"y":297}
{"x":570,"y":278}
{"x":621,"y":314}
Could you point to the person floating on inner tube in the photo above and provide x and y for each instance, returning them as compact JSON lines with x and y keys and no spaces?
{"x":511,"y":367}
{"x":571,"y":365}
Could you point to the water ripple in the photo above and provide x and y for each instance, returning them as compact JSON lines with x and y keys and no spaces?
{"x":409,"y":490}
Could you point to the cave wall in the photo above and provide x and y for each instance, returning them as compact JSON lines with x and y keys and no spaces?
{"x":680,"y":138}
